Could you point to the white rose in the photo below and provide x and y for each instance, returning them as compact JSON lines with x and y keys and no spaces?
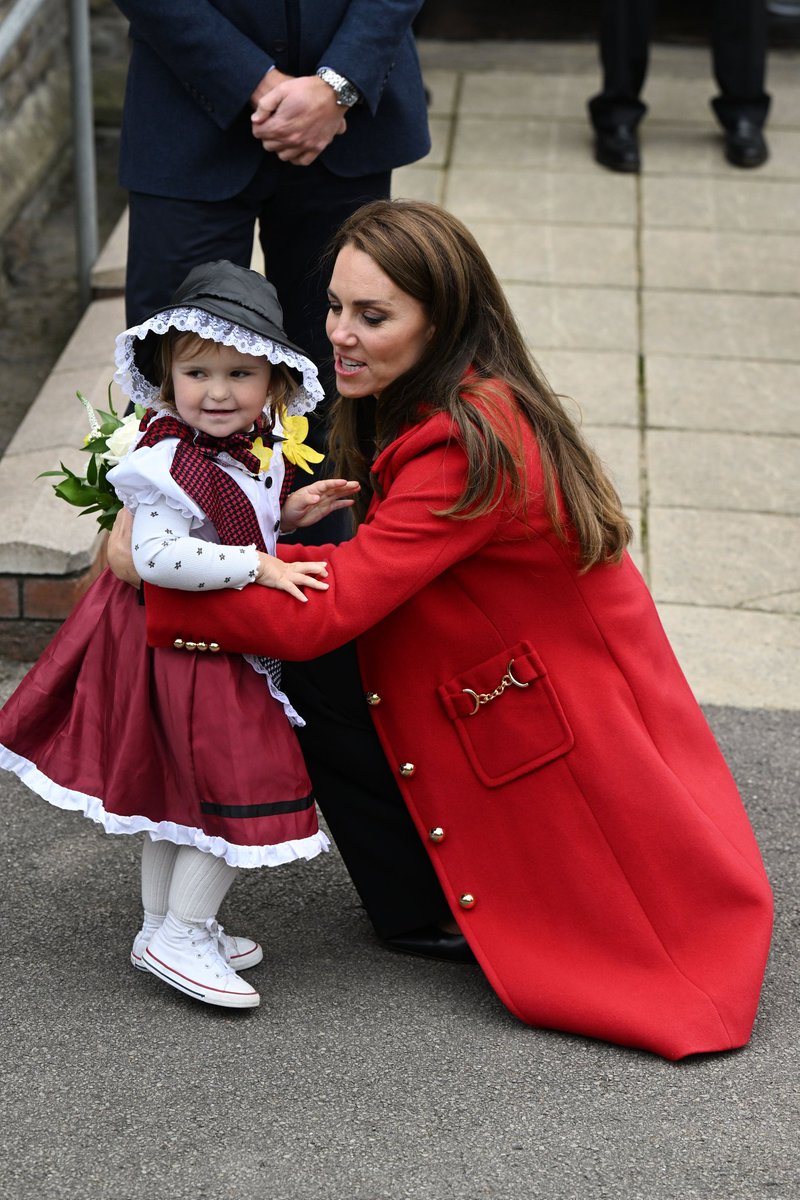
{"x":121,"y":440}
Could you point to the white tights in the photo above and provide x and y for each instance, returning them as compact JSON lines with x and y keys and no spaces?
{"x":182,"y":880}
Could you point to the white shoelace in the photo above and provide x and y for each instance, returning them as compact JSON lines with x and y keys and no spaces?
{"x":210,"y":941}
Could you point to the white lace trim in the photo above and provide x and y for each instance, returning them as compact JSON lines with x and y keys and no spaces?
{"x":194,"y":320}
{"x":161,"y":831}
{"x":260,"y":668}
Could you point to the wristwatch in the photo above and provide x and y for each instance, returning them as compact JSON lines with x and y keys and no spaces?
{"x":347,"y":94}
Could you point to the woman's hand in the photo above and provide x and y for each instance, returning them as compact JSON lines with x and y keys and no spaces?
{"x":120,"y":559}
{"x":310,"y":504}
{"x":290,"y":576}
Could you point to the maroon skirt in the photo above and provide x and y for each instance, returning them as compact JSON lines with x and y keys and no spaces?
{"x":188,"y":747}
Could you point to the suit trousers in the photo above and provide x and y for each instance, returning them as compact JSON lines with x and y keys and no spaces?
{"x":360,"y":800}
{"x":739,"y":39}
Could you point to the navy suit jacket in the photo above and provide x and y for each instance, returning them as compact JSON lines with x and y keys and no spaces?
{"x":194,"y":64}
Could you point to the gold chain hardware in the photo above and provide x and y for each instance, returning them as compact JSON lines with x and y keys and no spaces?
{"x":480,"y":698}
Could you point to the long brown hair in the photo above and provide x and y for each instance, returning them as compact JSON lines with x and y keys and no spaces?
{"x":432,"y":256}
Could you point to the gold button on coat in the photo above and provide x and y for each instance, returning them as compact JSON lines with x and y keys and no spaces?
{"x":407,"y":769}
{"x":437,"y":834}
{"x":191,"y":645}
{"x":178,"y":643}
{"x":373,"y":698}
{"x":202,"y":646}
{"x":213,"y":647}
{"x":467,"y":900}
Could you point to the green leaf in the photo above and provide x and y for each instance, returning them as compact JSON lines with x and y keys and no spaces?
{"x":106,"y":501}
{"x":75,"y":491}
{"x":108,"y":424}
{"x":111,"y":408}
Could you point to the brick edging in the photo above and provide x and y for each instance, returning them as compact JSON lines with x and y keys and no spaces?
{"x":32,"y":607}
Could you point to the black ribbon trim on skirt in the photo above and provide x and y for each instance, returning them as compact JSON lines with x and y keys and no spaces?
{"x":257,"y":810}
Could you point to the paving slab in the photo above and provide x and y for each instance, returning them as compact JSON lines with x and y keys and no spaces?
{"x":721,"y":261}
{"x":443,"y":87}
{"x":559,"y":254}
{"x":722,"y":325}
{"x":498,"y":54}
{"x":528,"y":93}
{"x":736,"y":471}
{"x":618,"y":449}
{"x":523,"y":143}
{"x":441,"y":134}
{"x":727,"y":652}
{"x":714,"y":202}
{"x":672,"y":149}
{"x":569,"y":318}
{"x":724,"y":394}
{"x":419,"y":183}
{"x":738,"y":560}
{"x":603,"y":386}
{"x":506,"y":193}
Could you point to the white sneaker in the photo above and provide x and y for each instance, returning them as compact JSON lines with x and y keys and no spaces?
{"x":240,"y":952}
{"x":193,"y":961}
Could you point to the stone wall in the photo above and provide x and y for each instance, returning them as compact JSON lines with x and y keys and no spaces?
{"x":36,"y":121}
{"x":34,"y":114}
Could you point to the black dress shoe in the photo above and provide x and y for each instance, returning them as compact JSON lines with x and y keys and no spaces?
{"x":745,"y":144}
{"x":432,"y":942}
{"x":618,"y":148}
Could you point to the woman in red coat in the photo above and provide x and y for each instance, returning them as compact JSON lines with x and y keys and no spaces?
{"x":583,"y":826}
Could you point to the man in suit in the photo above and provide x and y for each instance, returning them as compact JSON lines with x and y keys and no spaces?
{"x":241,"y":113}
{"x":739,"y":49}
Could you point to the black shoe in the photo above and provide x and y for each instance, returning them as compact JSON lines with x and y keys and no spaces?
{"x":432,"y":942}
{"x":745,"y":144}
{"x":618,"y":149}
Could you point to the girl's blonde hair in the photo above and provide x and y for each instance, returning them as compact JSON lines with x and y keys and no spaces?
{"x":283,"y":383}
{"x":432,"y":256}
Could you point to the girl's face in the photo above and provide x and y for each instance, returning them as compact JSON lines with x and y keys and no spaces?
{"x":219,"y":390}
{"x":378,"y":332}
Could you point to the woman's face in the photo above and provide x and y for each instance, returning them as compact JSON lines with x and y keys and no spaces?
{"x":378,"y":332}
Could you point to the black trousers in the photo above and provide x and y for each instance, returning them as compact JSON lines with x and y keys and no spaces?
{"x":739,"y":50}
{"x":356,"y":790}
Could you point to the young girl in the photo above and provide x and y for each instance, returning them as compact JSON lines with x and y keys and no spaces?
{"x":194,"y":749}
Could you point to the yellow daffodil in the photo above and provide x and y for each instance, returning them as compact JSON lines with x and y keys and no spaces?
{"x":263,"y":453}
{"x":295,"y":432}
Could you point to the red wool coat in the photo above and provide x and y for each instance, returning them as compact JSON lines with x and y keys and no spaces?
{"x":584,"y":826}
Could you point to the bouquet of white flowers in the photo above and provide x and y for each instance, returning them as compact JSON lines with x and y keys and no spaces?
{"x":109,"y":439}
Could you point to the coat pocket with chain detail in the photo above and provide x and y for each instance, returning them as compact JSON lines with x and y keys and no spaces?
{"x":507,"y":715}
